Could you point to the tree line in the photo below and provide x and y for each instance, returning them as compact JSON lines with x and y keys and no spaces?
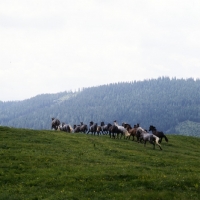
{"x":162,"y":102}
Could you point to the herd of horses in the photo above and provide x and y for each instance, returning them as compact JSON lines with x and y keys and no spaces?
{"x":114,"y":131}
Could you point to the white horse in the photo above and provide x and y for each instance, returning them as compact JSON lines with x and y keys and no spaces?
{"x":121,"y":128}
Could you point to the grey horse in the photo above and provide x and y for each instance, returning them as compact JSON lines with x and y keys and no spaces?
{"x":144,"y":136}
{"x":55,"y":123}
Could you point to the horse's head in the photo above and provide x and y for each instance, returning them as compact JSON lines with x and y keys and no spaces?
{"x":102,"y":124}
{"x":115,"y":123}
{"x":127,"y":126}
{"x":152,"y":128}
{"x":109,"y":125}
{"x":91,"y":123}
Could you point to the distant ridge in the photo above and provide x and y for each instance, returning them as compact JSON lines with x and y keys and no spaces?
{"x":163,"y":102}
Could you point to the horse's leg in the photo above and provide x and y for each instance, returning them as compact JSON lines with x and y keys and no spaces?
{"x":112,"y":134}
{"x":159,"y":146}
{"x":157,"y":142}
{"x":140,"y":139}
{"x":133,"y":137}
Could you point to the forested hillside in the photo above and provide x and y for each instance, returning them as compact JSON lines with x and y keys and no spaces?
{"x":166,"y":103}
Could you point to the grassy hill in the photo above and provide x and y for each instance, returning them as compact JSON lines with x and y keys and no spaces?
{"x":37,"y":164}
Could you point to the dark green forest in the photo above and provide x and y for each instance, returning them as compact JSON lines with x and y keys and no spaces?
{"x":172,"y":105}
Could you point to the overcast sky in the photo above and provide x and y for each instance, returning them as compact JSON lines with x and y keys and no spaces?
{"x":50,"y":46}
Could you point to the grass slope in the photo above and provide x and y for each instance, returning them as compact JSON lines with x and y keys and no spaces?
{"x":57,"y":165}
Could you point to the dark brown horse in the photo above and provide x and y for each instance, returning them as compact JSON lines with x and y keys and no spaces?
{"x":159,"y":134}
{"x":76,"y":128}
{"x":93,"y":128}
{"x":114,"y":132}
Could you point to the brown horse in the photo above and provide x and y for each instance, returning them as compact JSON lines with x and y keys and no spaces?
{"x":131,"y":130}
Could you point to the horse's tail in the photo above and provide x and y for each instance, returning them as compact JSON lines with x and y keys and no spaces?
{"x":166,"y":139}
{"x":71,"y":129}
{"x":127,"y":134}
{"x":157,"y":141}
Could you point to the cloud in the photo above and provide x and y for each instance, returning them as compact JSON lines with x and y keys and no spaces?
{"x":52,"y":46}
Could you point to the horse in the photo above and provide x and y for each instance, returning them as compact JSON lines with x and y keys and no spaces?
{"x":122,"y":129}
{"x":114,"y":132}
{"x":55,"y":123}
{"x":131,"y":130}
{"x":65,"y":127}
{"x":92,"y":128}
{"x":138,"y":131}
{"x":99,"y":130}
{"x":105,"y":128}
{"x":76,"y":128}
{"x":159,"y":134}
{"x":153,"y":139}
{"x":83,"y":127}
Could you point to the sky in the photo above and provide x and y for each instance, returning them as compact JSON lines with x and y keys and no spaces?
{"x":51,"y":46}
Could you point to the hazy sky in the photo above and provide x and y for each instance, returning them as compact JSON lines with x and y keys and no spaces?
{"x":49,"y":46}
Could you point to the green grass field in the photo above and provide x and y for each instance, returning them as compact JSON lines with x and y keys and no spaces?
{"x":57,"y":165}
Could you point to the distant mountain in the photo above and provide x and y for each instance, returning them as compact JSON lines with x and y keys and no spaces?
{"x":187,"y":128}
{"x":165,"y":103}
